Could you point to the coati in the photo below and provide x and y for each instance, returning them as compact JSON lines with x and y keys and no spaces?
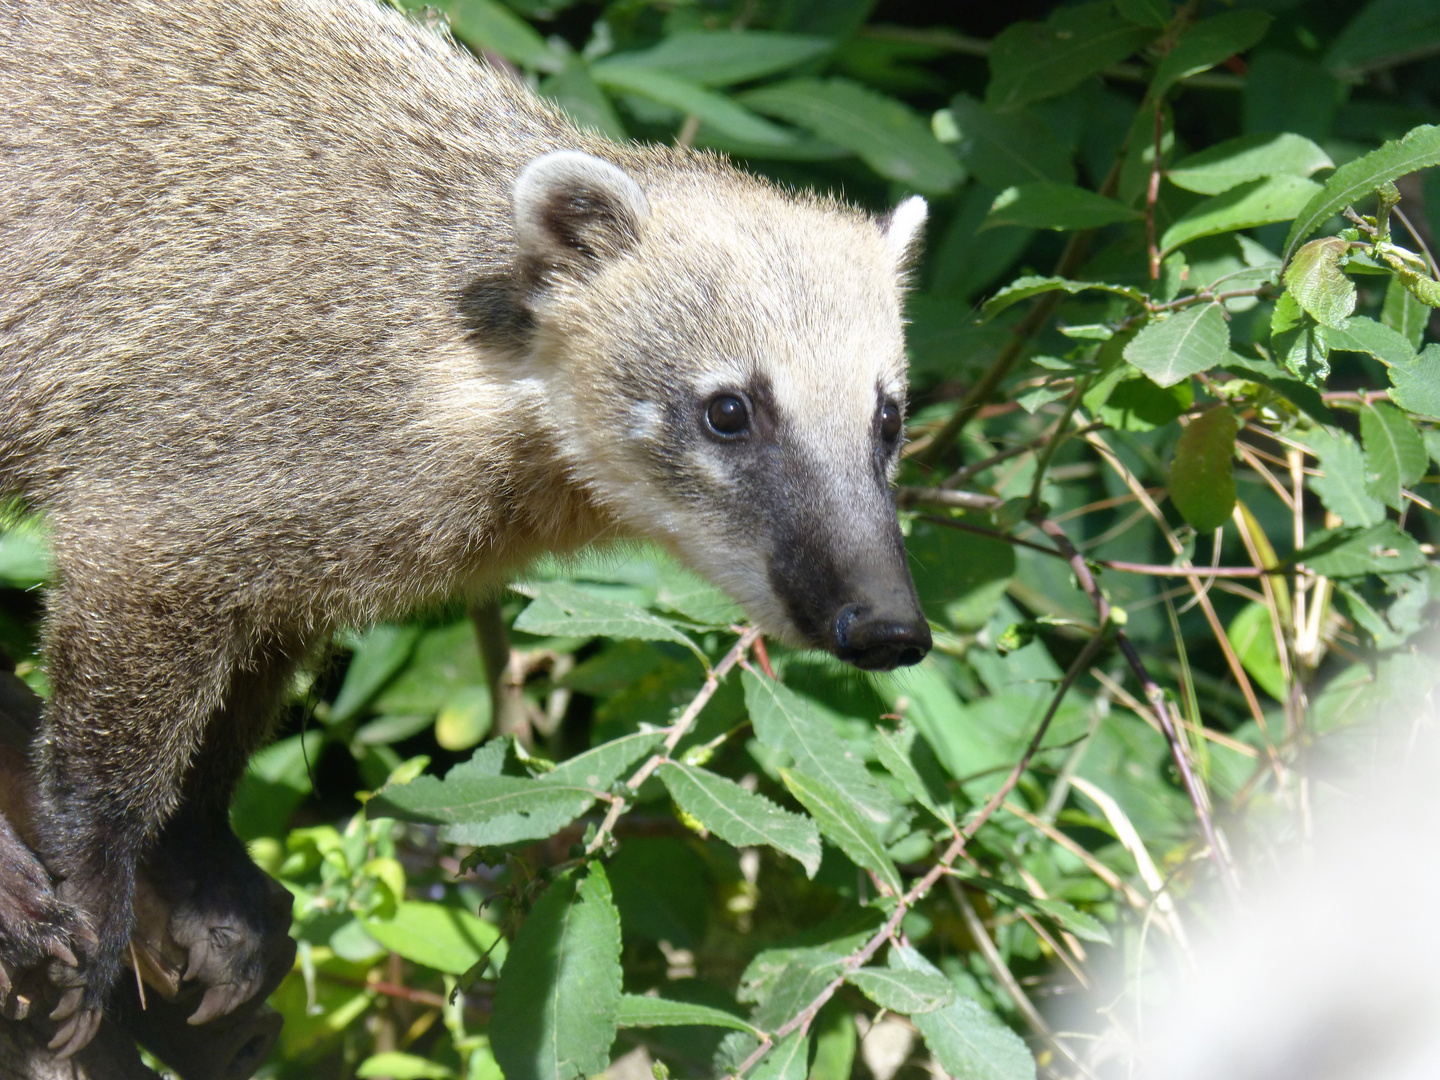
{"x":308,"y":319}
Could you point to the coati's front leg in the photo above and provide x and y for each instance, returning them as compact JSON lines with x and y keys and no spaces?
{"x":137,"y":685}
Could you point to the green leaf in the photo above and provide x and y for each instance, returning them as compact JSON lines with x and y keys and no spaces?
{"x":559,"y":998}
{"x":1384,"y":34}
{"x":1182,"y":345}
{"x":784,"y":721}
{"x":602,"y":766}
{"x":24,"y":554}
{"x":908,"y":758}
{"x":1318,"y":284}
{"x":968,"y":1040}
{"x":789,"y":1059}
{"x":1055,"y":206}
{"x":720,"y":112}
{"x":1023,"y":288}
{"x":642,"y":1011}
{"x":1152,"y":13}
{"x":1057,"y":911}
{"x":1419,"y":149}
{"x":1363,"y":334}
{"x":687,"y":594}
{"x":379,"y":654}
{"x":561,"y":609}
{"x":1264,"y":373}
{"x":1207,"y":43}
{"x":1343,"y":489}
{"x":484,"y":810}
{"x":1304,"y":350}
{"x":575,"y":90}
{"x":1252,"y":636}
{"x":1258,"y":202}
{"x":1031,"y":61}
{"x":1250,"y":157}
{"x":901,"y":991}
{"x":1404,"y":313}
{"x":725,"y":57}
{"x":1006,"y":148}
{"x":740,"y":817}
{"x":886,"y":133}
{"x":464,"y":719}
{"x":486,"y":24}
{"x":1417,"y":383}
{"x":1395,"y":456}
{"x":444,"y":937}
{"x":1202,"y":474}
{"x":398,"y":1066}
{"x":1354,"y":552}
{"x":844,"y":825}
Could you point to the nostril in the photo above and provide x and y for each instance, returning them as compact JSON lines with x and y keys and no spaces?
{"x":877,"y":643}
{"x":843,"y":621}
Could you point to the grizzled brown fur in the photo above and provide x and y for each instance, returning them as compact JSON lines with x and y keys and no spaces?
{"x":304,"y":323}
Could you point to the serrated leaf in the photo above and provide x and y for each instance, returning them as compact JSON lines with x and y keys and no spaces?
{"x":1031,"y":61}
{"x":642,"y":1011}
{"x":1004,"y":148}
{"x":725,"y":57}
{"x":1057,"y":911}
{"x":1258,"y":202}
{"x":1234,"y":162}
{"x":721,"y":112}
{"x":1416,"y":384}
{"x":1055,"y":206}
{"x":484,"y":810}
{"x":1252,"y":636}
{"x":680,"y":591}
{"x":788,"y":1060}
{"x":784,"y":721}
{"x":901,"y":991}
{"x":843,"y":825}
{"x":1305,"y":351}
{"x":1318,"y":284}
{"x":1404,"y":313}
{"x":562,"y":610}
{"x":1023,"y":288}
{"x":1343,"y":489}
{"x":440,"y":936}
{"x":1363,"y":334}
{"x":1202,"y":474}
{"x":1305,"y":398}
{"x":886,"y":133}
{"x":1207,"y":43}
{"x":602,"y":766}
{"x":908,"y":758}
{"x":1419,"y":149}
{"x":559,"y":997}
{"x":1354,"y":552}
{"x":967,"y":1040}
{"x":1394,"y":454}
{"x":490,"y":25}
{"x":1171,"y":349}
{"x":740,"y":817}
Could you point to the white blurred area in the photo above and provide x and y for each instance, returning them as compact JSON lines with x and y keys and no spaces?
{"x":1330,"y":967}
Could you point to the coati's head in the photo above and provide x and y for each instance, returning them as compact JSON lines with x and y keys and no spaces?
{"x":727,"y":362}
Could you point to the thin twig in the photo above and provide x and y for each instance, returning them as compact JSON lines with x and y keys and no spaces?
{"x":1152,"y":194}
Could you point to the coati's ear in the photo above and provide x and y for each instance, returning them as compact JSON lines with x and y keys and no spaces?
{"x":902,"y":228}
{"x":572,"y":212}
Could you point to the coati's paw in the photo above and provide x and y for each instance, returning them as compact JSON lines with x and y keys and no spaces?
{"x":233,"y":923}
{"x":78,"y":1014}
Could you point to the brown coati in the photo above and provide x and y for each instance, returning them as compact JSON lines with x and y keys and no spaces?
{"x":306,"y":319}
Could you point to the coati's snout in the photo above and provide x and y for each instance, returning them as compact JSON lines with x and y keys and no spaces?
{"x":875,"y":641}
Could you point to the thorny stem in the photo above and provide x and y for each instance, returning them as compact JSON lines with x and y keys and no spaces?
{"x":674,"y":733}
{"x":802,"y":1020}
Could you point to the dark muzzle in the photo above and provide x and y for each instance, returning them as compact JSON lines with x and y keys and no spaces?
{"x":877,"y":641}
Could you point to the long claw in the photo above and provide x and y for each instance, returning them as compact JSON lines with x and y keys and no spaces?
{"x":64,"y":954}
{"x":69,"y":1004}
{"x":218,"y":1001}
{"x":75,"y":1034}
{"x":199,"y":954}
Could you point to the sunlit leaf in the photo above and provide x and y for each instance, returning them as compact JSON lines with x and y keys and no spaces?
{"x":788,"y":1060}
{"x":1318,"y":284}
{"x":484,"y":809}
{"x":902,"y":991}
{"x":1252,"y":636}
{"x":1250,"y":157}
{"x":1416,"y":383}
{"x":561,"y":609}
{"x":1023,"y":288}
{"x":1009,"y":147}
{"x":1404,"y":313}
{"x":1355,"y":552}
{"x":1193,"y":340}
{"x":724,"y":57}
{"x":445,"y":937}
{"x":1395,"y":457}
{"x":740,"y":817}
{"x":1258,"y":202}
{"x":844,"y":825}
{"x":1207,"y":43}
{"x":1342,"y":488}
{"x":1055,"y":206}
{"x":643,"y":1011}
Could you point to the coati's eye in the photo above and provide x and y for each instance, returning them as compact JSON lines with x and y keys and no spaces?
{"x":890,"y":421}
{"x":727,"y":416}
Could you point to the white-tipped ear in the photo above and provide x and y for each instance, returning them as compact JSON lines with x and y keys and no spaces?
{"x":902,"y":228}
{"x":572,"y":212}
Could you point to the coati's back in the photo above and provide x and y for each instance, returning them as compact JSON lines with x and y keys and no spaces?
{"x":237,"y":221}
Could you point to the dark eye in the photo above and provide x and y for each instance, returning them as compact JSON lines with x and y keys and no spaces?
{"x":727,"y":415}
{"x":890,"y":421}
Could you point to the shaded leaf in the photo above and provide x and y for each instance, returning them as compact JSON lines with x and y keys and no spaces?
{"x":1395,"y":456}
{"x":1250,"y":157}
{"x":1055,"y":206}
{"x":1343,"y":489}
{"x":1171,"y":349}
{"x":1004,"y":148}
{"x":486,"y":24}
{"x":719,"y":111}
{"x":886,"y":134}
{"x":1318,"y":284}
{"x":1252,"y":635}
{"x":1207,"y":43}
{"x":908,"y":758}
{"x":1023,"y":288}
{"x":379,"y":654}
{"x":1383,"y":34}
{"x":740,"y":817}
{"x":1202,"y":474}
{"x":903,"y":991}
{"x":562,"y":610}
{"x":1417,"y":383}
{"x":1405,"y":313}
{"x":558,"y":1001}
{"x":642,"y":1011}
{"x":1419,"y":149}
{"x":1030,"y":61}
{"x":575,"y":90}
{"x":1361,"y":333}
{"x":1354,"y":552}
{"x":1258,"y":202}
{"x":440,"y":936}
{"x":789,"y":1060}
{"x":724,"y":57}
{"x":844,"y":825}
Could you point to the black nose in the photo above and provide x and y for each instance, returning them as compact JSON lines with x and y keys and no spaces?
{"x":876,"y":641}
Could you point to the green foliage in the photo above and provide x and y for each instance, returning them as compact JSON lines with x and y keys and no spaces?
{"x":1154,"y":321}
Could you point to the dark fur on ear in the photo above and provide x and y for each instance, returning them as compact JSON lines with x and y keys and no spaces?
{"x":572,"y":212}
{"x":903,"y":227}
